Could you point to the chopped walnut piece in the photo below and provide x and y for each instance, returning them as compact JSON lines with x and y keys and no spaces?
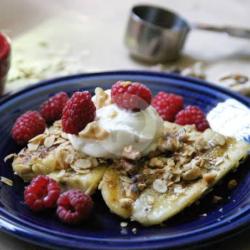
{"x":157,"y":162}
{"x":130,"y":153}
{"x":128,"y":166}
{"x":232,"y":184}
{"x":102,"y":98}
{"x":200,"y":144}
{"x":182,"y":135}
{"x":94,"y":131}
{"x":169,"y":144}
{"x":192,"y":174}
{"x":210,"y":177}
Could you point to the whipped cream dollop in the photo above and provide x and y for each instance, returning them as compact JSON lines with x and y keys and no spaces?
{"x":123,"y":128}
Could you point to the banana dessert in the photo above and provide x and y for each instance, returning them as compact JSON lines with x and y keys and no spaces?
{"x":150,"y":157}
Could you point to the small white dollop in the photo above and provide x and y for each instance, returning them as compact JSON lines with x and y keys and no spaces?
{"x":138,"y":129}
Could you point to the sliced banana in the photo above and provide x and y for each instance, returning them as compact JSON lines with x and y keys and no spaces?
{"x":113,"y":194}
{"x":88,"y":182}
{"x":163,"y":206}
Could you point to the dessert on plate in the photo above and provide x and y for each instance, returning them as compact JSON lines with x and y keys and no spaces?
{"x":149,"y":156}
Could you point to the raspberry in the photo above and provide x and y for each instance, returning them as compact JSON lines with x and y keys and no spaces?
{"x":27,"y":126}
{"x":74,"y":206}
{"x":42,"y":193}
{"x":192,"y":115}
{"x":131,"y":95}
{"x":167,"y":105}
{"x":78,"y":112}
{"x":51,"y":110}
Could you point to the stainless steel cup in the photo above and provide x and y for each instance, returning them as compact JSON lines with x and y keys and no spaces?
{"x":155,"y":34}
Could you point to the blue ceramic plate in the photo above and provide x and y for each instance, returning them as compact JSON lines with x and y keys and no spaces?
{"x":199,"y":223}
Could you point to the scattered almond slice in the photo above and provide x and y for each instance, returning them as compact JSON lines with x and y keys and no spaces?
{"x":94,"y":131}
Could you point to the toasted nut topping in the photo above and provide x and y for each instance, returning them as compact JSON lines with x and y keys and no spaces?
{"x":102,"y":98}
{"x":49,"y":141}
{"x":94,"y":131}
{"x":82,"y":164}
{"x":37,"y":139}
{"x":232,"y":184}
{"x":192,"y":174}
{"x":169,"y":144}
{"x":209,"y":177}
{"x":156,"y":162}
{"x":160,"y":186}
{"x":6,"y":181}
{"x":32,"y":146}
{"x":130,"y":153}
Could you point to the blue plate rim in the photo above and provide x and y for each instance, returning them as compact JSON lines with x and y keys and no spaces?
{"x":31,"y":234}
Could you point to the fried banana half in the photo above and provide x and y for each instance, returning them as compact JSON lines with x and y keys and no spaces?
{"x":52,"y":154}
{"x":184,"y":167}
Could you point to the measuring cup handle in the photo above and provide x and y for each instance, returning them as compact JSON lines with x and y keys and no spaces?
{"x":230,"y":30}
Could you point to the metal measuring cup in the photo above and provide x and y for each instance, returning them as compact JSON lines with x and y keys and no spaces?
{"x":158,"y":35}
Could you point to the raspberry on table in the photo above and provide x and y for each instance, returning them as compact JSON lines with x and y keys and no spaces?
{"x":78,"y":112}
{"x":51,"y":110}
{"x":167,"y":105}
{"x":42,"y":193}
{"x":132,"y":96}
{"x":74,"y":206}
{"x":192,"y":115}
{"x":27,"y":126}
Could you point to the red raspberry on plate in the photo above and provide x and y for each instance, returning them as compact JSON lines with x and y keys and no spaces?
{"x":27,"y":126}
{"x":42,"y":193}
{"x":167,"y":105}
{"x":74,"y":206}
{"x":131,"y":95}
{"x":51,"y":110}
{"x":78,"y":112}
{"x":192,"y":115}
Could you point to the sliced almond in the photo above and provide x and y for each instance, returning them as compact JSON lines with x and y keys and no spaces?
{"x":49,"y":141}
{"x":130,"y":153}
{"x":94,"y":131}
{"x":32,"y":146}
{"x":37,"y":139}
{"x":82,"y":164}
